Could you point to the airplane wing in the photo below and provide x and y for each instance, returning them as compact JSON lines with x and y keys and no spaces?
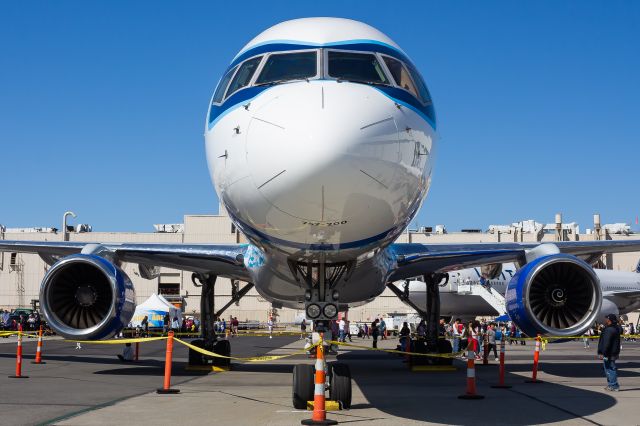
{"x":220,"y":259}
{"x":417,"y":259}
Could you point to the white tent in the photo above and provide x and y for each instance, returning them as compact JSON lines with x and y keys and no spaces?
{"x":155,"y":308}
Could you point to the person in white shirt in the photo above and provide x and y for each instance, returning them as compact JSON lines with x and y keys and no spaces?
{"x":127,"y":353}
{"x":341,"y":329}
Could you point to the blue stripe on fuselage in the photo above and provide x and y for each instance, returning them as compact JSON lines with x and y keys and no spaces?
{"x":399,"y":95}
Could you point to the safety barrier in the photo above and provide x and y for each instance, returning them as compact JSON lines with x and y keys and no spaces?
{"x":471,"y":374}
{"x":395,"y":351}
{"x":166,"y":389}
{"x":501,"y":384}
{"x":536,"y":358}
{"x":38,"y":359}
{"x":319,"y":416}
{"x":18,"y":374}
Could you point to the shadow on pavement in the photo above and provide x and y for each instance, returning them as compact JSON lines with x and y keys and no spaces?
{"x":579,"y":370}
{"x":390,"y":387}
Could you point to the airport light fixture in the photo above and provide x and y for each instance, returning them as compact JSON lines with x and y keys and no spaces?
{"x":65,"y":234}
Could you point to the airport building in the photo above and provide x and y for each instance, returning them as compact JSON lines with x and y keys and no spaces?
{"x":21,"y":274}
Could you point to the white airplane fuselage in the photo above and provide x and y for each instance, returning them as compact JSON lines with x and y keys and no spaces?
{"x":319,"y":169}
{"x":467,"y":305}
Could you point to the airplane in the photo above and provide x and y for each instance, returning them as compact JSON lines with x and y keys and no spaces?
{"x":321,"y":140}
{"x":620,"y":292}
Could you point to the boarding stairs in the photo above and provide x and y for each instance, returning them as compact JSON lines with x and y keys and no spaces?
{"x":490,"y":295}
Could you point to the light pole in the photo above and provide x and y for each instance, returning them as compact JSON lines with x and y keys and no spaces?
{"x":65,"y":234}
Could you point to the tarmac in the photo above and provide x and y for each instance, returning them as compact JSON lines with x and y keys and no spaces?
{"x":90,"y":387}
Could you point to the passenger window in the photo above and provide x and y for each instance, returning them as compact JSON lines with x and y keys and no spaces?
{"x":288,"y":66}
{"x":359,"y":67}
{"x":222,"y":86}
{"x":401,"y":75}
{"x":244,"y":75}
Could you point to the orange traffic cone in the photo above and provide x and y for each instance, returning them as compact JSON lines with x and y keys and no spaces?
{"x":19,"y":357}
{"x":319,"y":416}
{"x":471,"y":373}
{"x":38,"y":359}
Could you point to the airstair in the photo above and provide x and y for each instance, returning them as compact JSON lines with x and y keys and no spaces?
{"x":490,"y":295}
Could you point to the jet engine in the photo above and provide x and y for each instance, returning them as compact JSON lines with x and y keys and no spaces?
{"x":554,"y":295}
{"x":87,"y":297}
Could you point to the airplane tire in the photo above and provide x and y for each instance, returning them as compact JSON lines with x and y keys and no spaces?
{"x":340,"y":384}
{"x":196,"y":358}
{"x":222,"y":347}
{"x":303,"y":385}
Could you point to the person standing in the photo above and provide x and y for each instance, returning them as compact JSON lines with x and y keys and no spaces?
{"x":609,"y":350}
{"x":375,"y":332}
{"x":145,"y":326}
{"x":166,"y":322}
{"x":382,"y":326}
{"x":341,"y":330}
{"x":366,"y":331}
{"x":456,"y":331}
{"x":491,"y":341}
{"x":303,"y":328}
{"x":405,"y":337}
{"x":587,"y":338}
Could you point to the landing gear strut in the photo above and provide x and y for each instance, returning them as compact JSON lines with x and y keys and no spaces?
{"x":208,"y":338}
{"x":432,"y":342}
{"x":321,"y":307}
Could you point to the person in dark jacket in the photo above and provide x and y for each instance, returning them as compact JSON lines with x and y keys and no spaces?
{"x":608,"y":351}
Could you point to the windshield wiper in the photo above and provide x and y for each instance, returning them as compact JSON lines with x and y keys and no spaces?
{"x":284,"y":80}
{"x":353,"y":80}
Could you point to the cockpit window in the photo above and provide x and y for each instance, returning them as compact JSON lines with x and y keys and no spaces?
{"x":422,"y":87}
{"x":288,"y":66}
{"x":407,"y":77}
{"x":222,"y":86}
{"x":359,"y":67}
{"x":401,"y":75}
{"x":244,"y":74}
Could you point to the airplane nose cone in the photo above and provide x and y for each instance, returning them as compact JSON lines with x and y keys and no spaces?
{"x":324,"y":151}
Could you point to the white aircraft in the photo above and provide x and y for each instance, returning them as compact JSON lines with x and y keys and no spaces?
{"x":320,"y":139}
{"x":620,"y":292}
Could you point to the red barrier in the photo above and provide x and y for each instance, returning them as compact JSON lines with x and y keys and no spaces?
{"x":319,"y":416}
{"x":38,"y":359}
{"x":167,"y":367}
{"x":19,"y":357}
{"x":471,"y":373}
{"x":501,"y":384}
{"x":536,"y":358}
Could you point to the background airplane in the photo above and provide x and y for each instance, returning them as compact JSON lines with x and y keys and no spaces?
{"x":467,"y":294}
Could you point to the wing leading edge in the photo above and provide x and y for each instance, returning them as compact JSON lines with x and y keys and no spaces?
{"x":418,"y":259}
{"x":222,"y":260}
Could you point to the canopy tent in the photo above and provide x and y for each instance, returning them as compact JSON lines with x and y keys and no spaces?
{"x":155,"y":308}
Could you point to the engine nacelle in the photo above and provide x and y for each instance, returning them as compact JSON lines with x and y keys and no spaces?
{"x":554,"y":295}
{"x":87,"y":297}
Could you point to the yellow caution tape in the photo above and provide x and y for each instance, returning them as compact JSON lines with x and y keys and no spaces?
{"x":247,"y":359}
{"x":118,"y":341}
{"x":394,"y":351}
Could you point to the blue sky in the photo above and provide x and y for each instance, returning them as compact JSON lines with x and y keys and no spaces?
{"x":102,"y":105}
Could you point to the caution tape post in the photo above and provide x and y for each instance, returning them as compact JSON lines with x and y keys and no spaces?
{"x":19,"y":357}
{"x":501,"y":384}
{"x":536,"y":358}
{"x":167,"y":368}
{"x":319,"y":416}
{"x":471,"y":373}
{"x":136,"y":353}
{"x":38,"y":359}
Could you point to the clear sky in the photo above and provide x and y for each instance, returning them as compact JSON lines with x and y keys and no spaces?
{"x":102,"y":105}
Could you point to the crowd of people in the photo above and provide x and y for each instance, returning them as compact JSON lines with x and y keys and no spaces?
{"x":12,"y":321}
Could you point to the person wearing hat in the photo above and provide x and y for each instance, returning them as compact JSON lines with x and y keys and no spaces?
{"x":608,"y":351}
